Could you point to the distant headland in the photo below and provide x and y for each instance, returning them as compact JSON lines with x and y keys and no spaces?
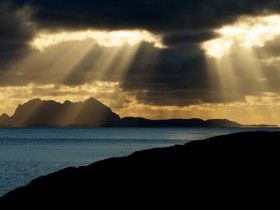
{"x":91,"y":113}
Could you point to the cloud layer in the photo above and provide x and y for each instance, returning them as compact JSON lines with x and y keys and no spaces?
{"x":177,"y":75}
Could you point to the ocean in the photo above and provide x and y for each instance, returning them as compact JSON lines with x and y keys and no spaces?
{"x":27,"y":153}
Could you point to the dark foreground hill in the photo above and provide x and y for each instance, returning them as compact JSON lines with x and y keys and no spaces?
{"x":224,"y":171}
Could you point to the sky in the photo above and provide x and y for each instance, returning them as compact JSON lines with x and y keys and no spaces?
{"x":157,"y":59}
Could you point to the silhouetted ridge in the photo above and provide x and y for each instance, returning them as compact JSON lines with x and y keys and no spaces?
{"x":5,"y":120}
{"x":221,"y":123}
{"x":195,"y":122}
{"x":91,"y":113}
{"x":223,"y":170}
{"x":36,"y":112}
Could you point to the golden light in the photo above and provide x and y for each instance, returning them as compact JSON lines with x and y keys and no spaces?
{"x":247,"y":32}
{"x":239,"y":71}
{"x":11,"y":97}
{"x":125,"y":104}
{"x":44,"y":40}
{"x":218,"y":48}
{"x":59,"y":54}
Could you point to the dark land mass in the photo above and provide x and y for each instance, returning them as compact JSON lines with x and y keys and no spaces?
{"x":195,"y":122}
{"x":261,"y":125}
{"x":38,"y":113}
{"x":224,"y":171}
{"x":91,"y":113}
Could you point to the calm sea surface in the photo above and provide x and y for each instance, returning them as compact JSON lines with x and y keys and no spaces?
{"x":28,"y":153}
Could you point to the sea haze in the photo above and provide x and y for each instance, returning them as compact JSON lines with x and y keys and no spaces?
{"x":26,"y":153}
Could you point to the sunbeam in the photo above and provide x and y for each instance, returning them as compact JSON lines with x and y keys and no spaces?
{"x":247,"y":31}
{"x":237,"y":68}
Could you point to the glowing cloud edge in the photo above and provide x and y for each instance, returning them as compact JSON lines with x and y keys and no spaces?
{"x":247,"y":31}
{"x":118,"y":38}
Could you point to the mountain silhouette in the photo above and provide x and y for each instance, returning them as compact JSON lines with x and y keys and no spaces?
{"x":5,"y":119}
{"x":91,"y":113}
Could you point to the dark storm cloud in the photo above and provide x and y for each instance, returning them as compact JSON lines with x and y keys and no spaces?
{"x":192,"y":37}
{"x":269,"y":56}
{"x":14,"y":33}
{"x":180,"y":76}
{"x":176,"y":76}
{"x":158,"y":15}
{"x":173,"y":76}
{"x":270,"y":49}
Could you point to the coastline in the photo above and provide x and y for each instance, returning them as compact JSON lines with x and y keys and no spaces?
{"x":234,"y":161}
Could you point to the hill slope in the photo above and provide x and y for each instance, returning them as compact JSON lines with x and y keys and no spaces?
{"x":221,"y":169}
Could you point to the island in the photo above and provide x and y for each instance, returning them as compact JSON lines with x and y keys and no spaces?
{"x":91,"y":113}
